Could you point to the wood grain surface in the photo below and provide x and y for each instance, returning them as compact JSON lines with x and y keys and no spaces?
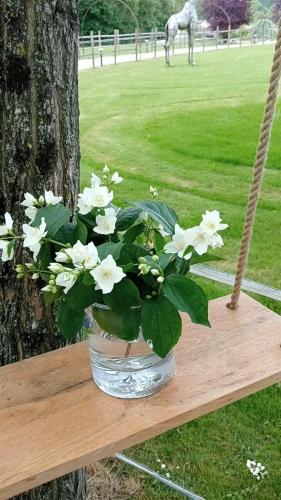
{"x":53,"y":419}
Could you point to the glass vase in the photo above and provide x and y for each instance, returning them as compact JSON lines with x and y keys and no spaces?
{"x":124,"y":369}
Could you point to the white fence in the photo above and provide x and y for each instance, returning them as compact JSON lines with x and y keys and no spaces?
{"x":116,"y":46}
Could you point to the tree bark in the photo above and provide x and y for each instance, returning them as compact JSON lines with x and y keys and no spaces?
{"x":39,"y":150}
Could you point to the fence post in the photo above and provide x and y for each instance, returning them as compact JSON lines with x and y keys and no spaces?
{"x":115,"y":46}
{"x":204,"y":40}
{"x":228,"y":37}
{"x":155,"y":42}
{"x":217,"y":38}
{"x":93,"y":47}
{"x":99,"y":35}
{"x":136,"y":43}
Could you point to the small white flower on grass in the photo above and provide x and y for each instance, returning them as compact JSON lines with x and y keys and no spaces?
{"x":106,"y":223}
{"x":98,"y":197}
{"x":66,"y":280}
{"x":163,"y":466}
{"x":8,"y":226}
{"x":116,"y":179}
{"x":83,"y":255}
{"x":257,"y":469}
{"x":7,"y":250}
{"x":211,"y":222}
{"x":180,"y":241}
{"x":168,"y":475}
{"x":106,"y":274}
{"x":33,"y":237}
{"x":153,"y":191}
{"x":95,"y":181}
{"x":51,"y":199}
{"x":105,"y":169}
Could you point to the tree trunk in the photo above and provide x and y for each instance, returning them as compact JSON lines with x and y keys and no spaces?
{"x":39,"y":149}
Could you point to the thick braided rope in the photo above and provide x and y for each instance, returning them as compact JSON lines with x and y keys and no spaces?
{"x":259,"y":166}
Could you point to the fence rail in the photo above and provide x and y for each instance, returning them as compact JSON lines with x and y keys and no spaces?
{"x":97,"y":46}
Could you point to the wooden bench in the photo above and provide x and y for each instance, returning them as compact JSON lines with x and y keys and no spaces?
{"x":53,"y":419}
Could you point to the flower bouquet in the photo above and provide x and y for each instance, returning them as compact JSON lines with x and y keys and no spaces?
{"x":120,"y":275}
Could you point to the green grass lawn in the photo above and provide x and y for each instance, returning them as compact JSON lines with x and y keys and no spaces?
{"x":192,"y":132}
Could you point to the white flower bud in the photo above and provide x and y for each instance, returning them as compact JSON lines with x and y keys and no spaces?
{"x":155,"y":272}
{"x":35,"y":276}
{"x":56,"y":268}
{"x":160,"y":279}
{"x":105,"y":169}
{"x":155,"y":258}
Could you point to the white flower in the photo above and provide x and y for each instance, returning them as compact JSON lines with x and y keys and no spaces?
{"x":95,"y":181}
{"x":257,"y":469}
{"x":105,"y":169}
{"x":106,"y":274}
{"x":106,"y":223}
{"x":51,"y":199}
{"x":66,"y":280}
{"x":116,"y":179}
{"x":83,"y":255}
{"x":33,"y":237}
{"x":98,"y":197}
{"x":180,"y":241}
{"x":211,"y":222}
{"x":29,"y":200}
{"x":199,"y":239}
{"x":31,"y":212}
{"x":7,"y":254}
{"x":216,"y":241}
{"x":8,"y":226}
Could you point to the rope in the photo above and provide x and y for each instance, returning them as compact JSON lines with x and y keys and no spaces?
{"x":259,"y":166}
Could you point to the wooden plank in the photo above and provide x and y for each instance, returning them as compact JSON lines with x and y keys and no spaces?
{"x":53,"y":419}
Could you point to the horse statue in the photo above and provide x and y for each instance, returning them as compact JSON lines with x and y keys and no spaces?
{"x":181,"y":21}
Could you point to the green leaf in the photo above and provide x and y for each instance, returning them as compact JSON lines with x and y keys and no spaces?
{"x":123,"y":296}
{"x":88,"y":219}
{"x":126,"y":217}
{"x":133,"y":233}
{"x":80,"y":232}
{"x":81,"y":295}
{"x":159,"y":241}
{"x":10,"y":248}
{"x":70,"y":321}
{"x":66,"y":234}
{"x":198,"y":259}
{"x":55,"y":216}
{"x":161,"y":324}
{"x":188,"y":297}
{"x":161,"y":213}
{"x":168,"y":263}
{"x":88,"y":279}
{"x":109,"y":248}
{"x":45,"y":258}
{"x":124,"y":326}
{"x":130,"y":253}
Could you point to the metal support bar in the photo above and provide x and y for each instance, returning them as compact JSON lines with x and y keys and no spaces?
{"x":228,"y":279}
{"x":155,"y":475}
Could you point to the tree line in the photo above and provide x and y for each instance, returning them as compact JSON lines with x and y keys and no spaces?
{"x":107,"y":15}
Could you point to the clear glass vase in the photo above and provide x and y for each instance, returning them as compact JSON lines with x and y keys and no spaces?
{"x":124,"y":369}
